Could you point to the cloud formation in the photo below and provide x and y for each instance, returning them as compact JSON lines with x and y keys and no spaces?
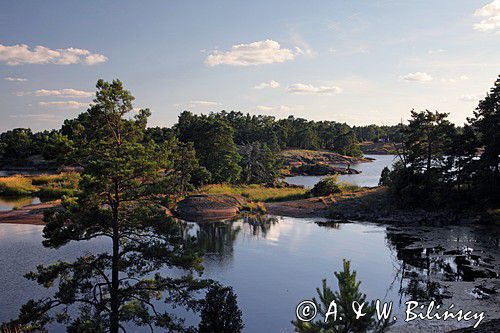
{"x":417,"y":77}
{"x":66,"y":93}
{"x":42,"y":117}
{"x":21,"y":54}
{"x":15,"y":79}
{"x":256,"y":53}
{"x":301,"y":88}
{"x":456,"y":79}
{"x":65,"y":104}
{"x":271,"y":84}
{"x":197,"y":104}
{"x":279,"y":108}
{"x":491,"y":17}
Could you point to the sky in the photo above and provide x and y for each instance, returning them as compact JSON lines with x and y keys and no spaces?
{"x":359,"y":62}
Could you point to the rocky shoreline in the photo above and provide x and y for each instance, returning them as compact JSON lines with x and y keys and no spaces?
{"x":299,"y":162}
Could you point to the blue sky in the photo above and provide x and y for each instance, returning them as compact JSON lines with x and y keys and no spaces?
{"x":358,"y":62}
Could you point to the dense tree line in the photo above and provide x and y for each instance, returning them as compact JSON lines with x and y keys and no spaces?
{"x":444,"y":164}
{"x":223,"y":147}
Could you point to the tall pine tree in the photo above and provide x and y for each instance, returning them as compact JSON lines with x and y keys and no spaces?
{"x":120,"y":200}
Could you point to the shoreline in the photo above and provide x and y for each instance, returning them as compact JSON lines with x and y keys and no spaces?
{"x":30,"y":214}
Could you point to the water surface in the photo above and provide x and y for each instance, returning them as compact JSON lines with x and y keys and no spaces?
{"x":273,"y":263}
{"x":369,"y":176}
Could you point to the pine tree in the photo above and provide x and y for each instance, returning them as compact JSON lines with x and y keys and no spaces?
{"x":346,"y":322}
{"x":220,"y":313}
{"x":120,"y":199}
{"x":486,"y":123}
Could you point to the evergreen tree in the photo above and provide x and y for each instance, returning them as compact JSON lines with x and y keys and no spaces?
{"x":486,"y":123}
{"x":220,"y":313}
{"x":259,"y":165}
{"x":120,"y":200}
{"x":17,"y":143}
{"x":385,"y":177}
{"x":213,"y":140}
{"x":346,"y":322}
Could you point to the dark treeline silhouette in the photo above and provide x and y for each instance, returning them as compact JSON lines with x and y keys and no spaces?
{"x":441,"y":164}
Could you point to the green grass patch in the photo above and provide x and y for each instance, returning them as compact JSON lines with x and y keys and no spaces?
{"x":256,"y":192}
{"x":16,"y":186}
{"x":46,"y":186}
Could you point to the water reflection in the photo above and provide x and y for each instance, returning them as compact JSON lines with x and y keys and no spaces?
{"x":10,"y":203}
{"x":217,"y":238}
{"x":260,"y":225}
{"x":427,"y":258}
{"x":275,"y":262}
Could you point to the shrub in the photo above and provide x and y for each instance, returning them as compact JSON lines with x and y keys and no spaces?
{"x":326,"y":186}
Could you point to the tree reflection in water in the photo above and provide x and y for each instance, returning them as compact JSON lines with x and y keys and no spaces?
{"x":259,"y":224}
{"x":216,"y":239}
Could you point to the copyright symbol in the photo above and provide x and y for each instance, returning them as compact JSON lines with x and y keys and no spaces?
{"x":306,"y":311}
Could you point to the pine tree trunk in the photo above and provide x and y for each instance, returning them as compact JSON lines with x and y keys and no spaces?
{"x":115,"y":301}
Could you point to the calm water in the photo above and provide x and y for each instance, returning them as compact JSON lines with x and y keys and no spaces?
{"x":369,"y":176}
{"x":9,"y":203}
{"x":272,"y":265}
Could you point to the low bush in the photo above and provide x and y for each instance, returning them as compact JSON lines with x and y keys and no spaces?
{"x":326,"y":186}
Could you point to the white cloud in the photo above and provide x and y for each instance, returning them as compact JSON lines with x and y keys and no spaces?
{"x":67,"y":93}
{"x":197,"y":104}
{"x":456,"y":79}
{"x":43,"y":117}
{"x":65,"y":104}
{"x":491,"y":15}
{"x":471,"y":97}
{"x":271,"y":84}
{"x":302,"y":46}
{"x":21,"y":54}
{"x":93,"y":59}
{"x":15,"y":79}
{"x":279,"y":108}
{"x":256,"y":53}
{"x":301,"y":88}
{"x":417,"y":76}
{"x":436,"y":51}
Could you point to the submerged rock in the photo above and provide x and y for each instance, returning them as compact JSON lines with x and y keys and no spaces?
{"x":209,"y":207}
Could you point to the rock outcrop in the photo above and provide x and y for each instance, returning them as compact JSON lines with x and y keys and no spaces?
{"x":318,"y":162}
{"x":209,"y":207}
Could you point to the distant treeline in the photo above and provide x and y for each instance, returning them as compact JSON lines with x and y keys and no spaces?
{"x":291,"y":132}
{"x":231,"y":146}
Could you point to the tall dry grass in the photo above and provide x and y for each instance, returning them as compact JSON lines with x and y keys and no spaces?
{"x":49,"y":186}
{"x":256,"y":192}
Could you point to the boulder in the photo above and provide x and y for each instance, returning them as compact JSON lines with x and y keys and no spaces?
{"x":209,"y":207}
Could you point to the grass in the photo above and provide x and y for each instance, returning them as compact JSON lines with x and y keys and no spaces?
{"x":256,"y":193}
{"x":349,"y":188}
{"x":16,"y":186}
{"x":46,"y":186}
